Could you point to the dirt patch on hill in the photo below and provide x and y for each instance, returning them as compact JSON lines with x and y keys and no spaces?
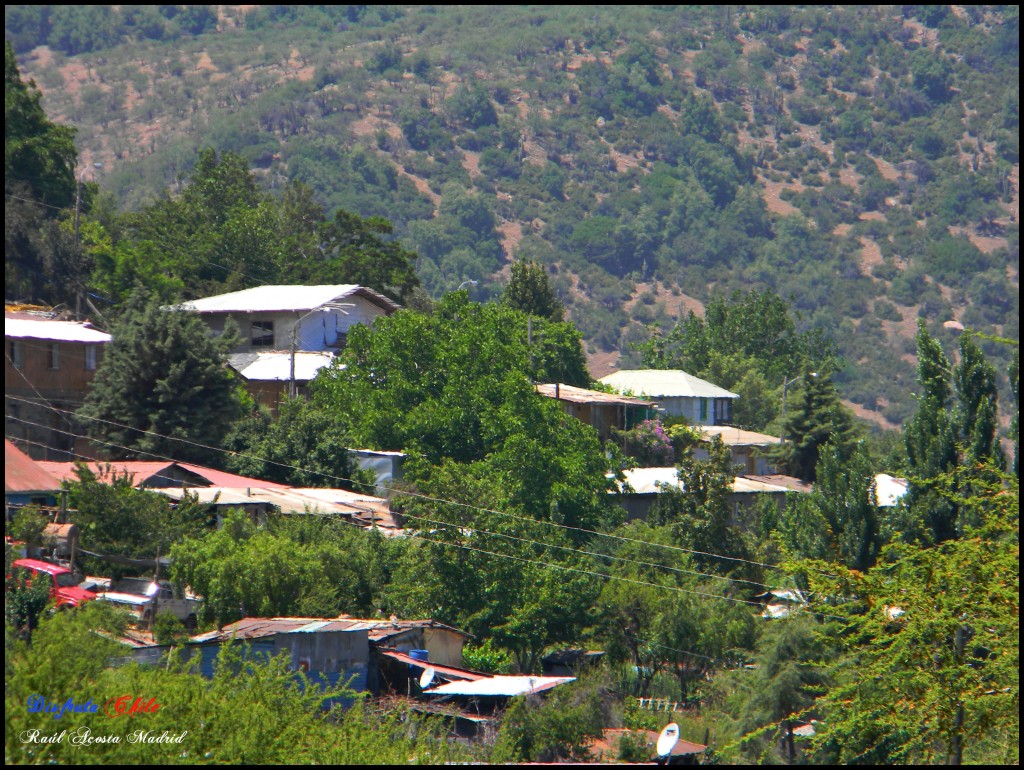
{"x":602,"y":363}
{"x":471,"y":162}
{"x":510,"y":234}
{"x":775,"y":204}
{"x":887,"y":170}
{"x":870,"y":415}
{"x":676,"y":305}
{"x":870,"y":255}
{"x":421,"y":185}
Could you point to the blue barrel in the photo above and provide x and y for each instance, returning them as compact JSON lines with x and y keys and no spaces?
{"x":421,"y":655}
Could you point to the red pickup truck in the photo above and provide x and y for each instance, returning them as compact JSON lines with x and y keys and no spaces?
{"x":63,"y":587}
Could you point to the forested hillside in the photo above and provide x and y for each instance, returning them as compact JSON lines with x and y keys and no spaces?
{"x":860,"y":161}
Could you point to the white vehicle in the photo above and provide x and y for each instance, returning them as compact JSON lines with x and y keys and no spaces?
{"x":145,"y":599}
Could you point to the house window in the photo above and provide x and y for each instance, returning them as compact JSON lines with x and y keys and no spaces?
{"x":723,"y":409}
{"x":262,"y":334}
{"x":90,"y":357}
{"x":703,"y":410}
{"x":17,"y":354}
{"x":55,"y":355}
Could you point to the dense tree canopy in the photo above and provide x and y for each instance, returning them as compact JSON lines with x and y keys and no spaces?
{"x":162,"y":389}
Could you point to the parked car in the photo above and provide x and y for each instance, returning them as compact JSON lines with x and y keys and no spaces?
{"x":64,"y":589}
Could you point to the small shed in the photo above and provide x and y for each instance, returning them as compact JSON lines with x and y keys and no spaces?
{"x":601,"y":411}
{"x":328,"y":651}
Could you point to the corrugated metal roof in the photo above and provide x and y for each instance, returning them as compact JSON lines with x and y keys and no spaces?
{"x":888,"y":490}
{"x":500,"y":686}
{"x":47,"y":329}
{"x":449,"y":672}
{"x":142,"y":470}
{"x":23,"y":475}
{"x":780,"y":482}
{"x":737,"y":436}
{"x":664,"y":383}
{"x":647,"y":481}
{"x":585,"y":396}
{"x":277,"y":366}
{"x":258,"y":628}
{"x":285,"y":298}
{"x":384,"y":629}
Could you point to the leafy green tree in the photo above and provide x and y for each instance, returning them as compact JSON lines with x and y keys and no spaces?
{"x":945,"y":431}
{"x":162,"y":388}
{"x":700,"y":513}
{"x":850,"y":521}
{"x":783,"y":687}
{"x":556,"y":728}
{"x":42,"y":260}
{"x":24,"y":599}
{"x":756,"y":325}
{"x":306,"y":566}
{"x":304,"y":446}
{"x":358,"y":250}
{"x":929,"y":663}
{"x":529,"y":290}
{"x":39,"y":155}
{"x":115,"y":518}
{"x":818,"y":419}
{"x":252,"y":711}
{"x":974,"y":382}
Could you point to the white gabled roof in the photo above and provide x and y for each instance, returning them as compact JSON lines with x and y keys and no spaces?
{"x":58,"y":331}
{"x":277,"y":366}
{"x":264,"y":299}
{"x":664,"y":383}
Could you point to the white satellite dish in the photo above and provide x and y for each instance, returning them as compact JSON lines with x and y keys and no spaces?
{"x":667,"y":740}
{"x":427,"y":678}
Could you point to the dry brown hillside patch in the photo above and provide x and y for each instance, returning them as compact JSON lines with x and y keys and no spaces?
{"x":602,"y":363}
{"x":772,"y":200}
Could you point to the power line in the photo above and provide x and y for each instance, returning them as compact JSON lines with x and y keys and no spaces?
{"x":419,"y":495}
{"x":419,"y":518}
{"x":518,"y":558}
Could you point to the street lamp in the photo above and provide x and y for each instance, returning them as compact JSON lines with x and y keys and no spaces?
{"x":295,"y":325}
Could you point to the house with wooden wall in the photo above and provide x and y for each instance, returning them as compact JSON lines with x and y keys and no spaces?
{"x":49,"y":366}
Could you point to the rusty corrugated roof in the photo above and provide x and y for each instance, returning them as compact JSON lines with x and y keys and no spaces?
{"x":22,"y":474}
{"x":257,"y":628}
{"x":585,"y":396}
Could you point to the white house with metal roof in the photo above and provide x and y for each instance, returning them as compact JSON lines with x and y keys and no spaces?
{"x":305,"y":318}
{"x":677,"y":393}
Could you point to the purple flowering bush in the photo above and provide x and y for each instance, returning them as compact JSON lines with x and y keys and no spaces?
{"x":649,"y":444}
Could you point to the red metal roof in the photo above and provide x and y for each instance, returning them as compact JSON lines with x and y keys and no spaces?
{"x":22,"y":474}
{"x":448,"y":672}
{"x":142,"y":470}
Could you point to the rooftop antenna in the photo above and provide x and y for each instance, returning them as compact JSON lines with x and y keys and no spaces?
{"x":427,"y":678}
{"x":667,"y":740}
